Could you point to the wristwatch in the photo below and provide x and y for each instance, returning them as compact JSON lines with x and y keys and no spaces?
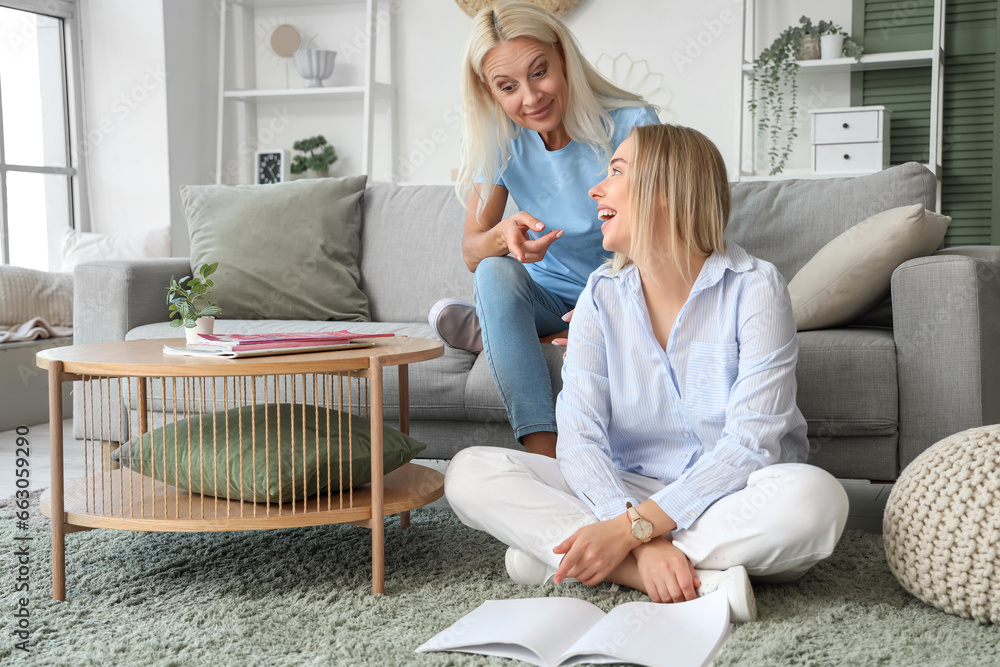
{"x":642,"y":529}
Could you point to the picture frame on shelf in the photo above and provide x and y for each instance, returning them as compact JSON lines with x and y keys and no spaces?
{"x":272,"y":166}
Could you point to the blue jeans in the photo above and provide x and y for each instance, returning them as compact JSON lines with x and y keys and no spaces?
{"x":514,"y":312}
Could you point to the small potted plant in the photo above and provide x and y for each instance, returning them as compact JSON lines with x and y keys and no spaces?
{"x":317,"y":156}
{"x":775,"y":72}
{"x":835,"y":42}
{"x":183,"y":298}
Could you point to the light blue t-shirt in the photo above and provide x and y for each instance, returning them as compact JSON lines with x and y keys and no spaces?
{"x":553,"y":186}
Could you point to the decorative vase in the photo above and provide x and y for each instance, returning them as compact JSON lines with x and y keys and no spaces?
{"x":314,"y":65}
{"x":203,"y":325}
{"x":831,"y":46}
{"x":810,"y":47}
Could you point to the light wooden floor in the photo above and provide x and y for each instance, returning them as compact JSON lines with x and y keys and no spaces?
{"x":867,"y":500}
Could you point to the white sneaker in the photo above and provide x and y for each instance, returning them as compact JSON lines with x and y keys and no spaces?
{"x":456,"y":323}
{"x":736,"y":581}
{"x":525,"y":569}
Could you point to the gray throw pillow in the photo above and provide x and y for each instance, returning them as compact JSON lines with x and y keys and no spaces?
{"x":287,"y":251}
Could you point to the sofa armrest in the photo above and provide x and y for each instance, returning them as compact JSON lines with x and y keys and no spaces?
{"x":112,"y":297}
{"x":946,"y":324}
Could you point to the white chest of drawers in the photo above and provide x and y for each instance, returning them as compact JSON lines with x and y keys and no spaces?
{"x":851,"y":140}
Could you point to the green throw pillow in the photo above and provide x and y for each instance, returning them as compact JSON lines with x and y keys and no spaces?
{"x":254,"y":459}
{"x":287,"y":251}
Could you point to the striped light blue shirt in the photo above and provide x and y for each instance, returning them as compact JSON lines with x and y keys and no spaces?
{"x":700,"y":416}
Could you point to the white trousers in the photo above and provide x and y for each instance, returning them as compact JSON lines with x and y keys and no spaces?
{"x":787,"y":518}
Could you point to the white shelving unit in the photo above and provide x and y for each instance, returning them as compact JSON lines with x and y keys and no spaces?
{"x":242,"y":91}
{"x":746,"y":136}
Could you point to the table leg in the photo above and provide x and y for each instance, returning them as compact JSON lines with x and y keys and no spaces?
{"x":378,"y":483}
{"x":404,"y":422}
{"x":58,"y":508}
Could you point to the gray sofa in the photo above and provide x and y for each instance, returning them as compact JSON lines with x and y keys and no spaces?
{"x":875,"y":393}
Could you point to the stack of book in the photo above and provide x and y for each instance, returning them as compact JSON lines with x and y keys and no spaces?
{"x":232,"y":346}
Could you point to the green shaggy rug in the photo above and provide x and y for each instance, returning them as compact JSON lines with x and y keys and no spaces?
{"x":303,"y":597}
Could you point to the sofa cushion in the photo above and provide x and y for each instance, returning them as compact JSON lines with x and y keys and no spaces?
{"x":285,"y":251}
{"x":847,"y":383}
{"x":265,"y":452}
{"x":79,"y":247}
{"x":850,"y":275}
{"x":411,"y":250}
{"x":787,"y":222}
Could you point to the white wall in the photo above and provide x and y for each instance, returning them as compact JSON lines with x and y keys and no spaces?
{"x":125,"y":143}
{"x":683,"y":56}
{"x":191,"y":30}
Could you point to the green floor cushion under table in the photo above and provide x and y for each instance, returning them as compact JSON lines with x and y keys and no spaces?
{"x":271,"y":452}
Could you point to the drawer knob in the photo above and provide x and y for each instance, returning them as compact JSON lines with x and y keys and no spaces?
{"x":846,"y":156}
{"x":846,"y":126}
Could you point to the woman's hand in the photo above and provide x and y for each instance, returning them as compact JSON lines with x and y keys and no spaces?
{"x":594,"y":551}
{"x":560,"y":340}
{"x":666,"y":573}
{"x":514,"y":233}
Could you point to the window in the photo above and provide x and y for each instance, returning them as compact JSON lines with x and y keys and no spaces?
{"x":40,"y":179}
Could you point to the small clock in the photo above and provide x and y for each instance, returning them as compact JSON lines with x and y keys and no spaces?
{"x":273,"y":166}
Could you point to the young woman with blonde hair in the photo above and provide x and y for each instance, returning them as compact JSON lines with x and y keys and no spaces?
{"x":681,"y":454}
{"x":541,"y":124}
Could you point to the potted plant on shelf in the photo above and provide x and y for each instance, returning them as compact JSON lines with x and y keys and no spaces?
{"x":318,"y":156}
{"x":775,"y":72}
{"x":183,"y":297}
{"x":836,"y":42}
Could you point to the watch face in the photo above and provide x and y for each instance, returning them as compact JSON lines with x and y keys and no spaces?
{"x":269,"y":168}
{"x":642,"y":530}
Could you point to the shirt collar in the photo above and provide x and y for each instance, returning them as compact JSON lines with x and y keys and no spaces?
{"x":735,"y":259}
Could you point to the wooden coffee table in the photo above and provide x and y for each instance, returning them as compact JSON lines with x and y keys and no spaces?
{"x":168,"y":388}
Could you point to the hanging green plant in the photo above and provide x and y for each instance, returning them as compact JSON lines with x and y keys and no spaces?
{"x":775,"y":76}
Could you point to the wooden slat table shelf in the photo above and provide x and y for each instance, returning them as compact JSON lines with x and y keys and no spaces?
{"x":168,"y":389}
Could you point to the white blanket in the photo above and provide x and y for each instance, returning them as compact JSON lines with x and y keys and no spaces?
{"x":34,"y":328}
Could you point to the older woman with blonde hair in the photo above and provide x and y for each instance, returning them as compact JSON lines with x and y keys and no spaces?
{"x":681,"y":456}
{"x":541,"y":123}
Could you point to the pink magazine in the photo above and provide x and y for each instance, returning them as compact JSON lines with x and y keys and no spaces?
{"x":278,"y":340}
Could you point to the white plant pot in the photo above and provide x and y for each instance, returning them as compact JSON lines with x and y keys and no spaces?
{"x":204,"y":325}
{"x":314,"y":65}
{"x":831,"y":46}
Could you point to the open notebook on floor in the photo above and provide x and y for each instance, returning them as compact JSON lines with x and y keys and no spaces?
{"x":553,"y":632}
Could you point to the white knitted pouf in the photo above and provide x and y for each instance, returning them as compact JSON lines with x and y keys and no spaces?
{"x":941,"y":527}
